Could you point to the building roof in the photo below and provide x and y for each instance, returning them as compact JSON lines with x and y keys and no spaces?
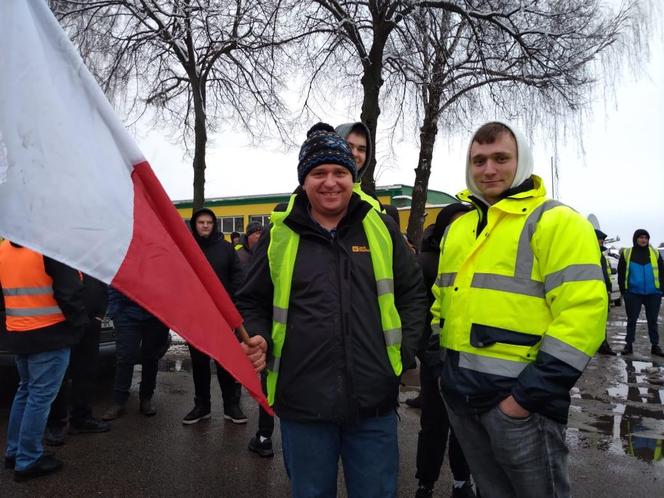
{"x":401,"y":196}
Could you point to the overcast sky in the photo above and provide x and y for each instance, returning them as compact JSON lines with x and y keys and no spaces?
{"x":620,"y":178}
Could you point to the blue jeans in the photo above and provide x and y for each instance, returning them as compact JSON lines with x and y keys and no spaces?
{"x":369,"y":453}
{"x":137,"y":341}
{"x":40,"y":377}
{"x":633,"y":304}
{"x":513,"y":457}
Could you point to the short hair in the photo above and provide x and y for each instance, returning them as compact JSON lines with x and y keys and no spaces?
{"x":488,"y":133}
{"x":360,"y":129}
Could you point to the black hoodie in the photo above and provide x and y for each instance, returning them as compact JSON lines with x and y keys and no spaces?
{"x":220,"y":253}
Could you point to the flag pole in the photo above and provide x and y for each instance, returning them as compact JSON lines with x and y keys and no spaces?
{"x":243,"y":334}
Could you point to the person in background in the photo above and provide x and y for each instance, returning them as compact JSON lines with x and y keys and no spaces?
{"x":605,"y":348}
{"x":246,"y":249}
{"x":226,"y":265}
{"x":139,"y":338}
{"x":236,"y":239}
{"x":641,"y":281}
{"x":43,"y":315}
{"x":79,"y":384}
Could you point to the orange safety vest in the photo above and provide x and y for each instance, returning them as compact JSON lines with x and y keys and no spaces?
{"x":27,"y":290}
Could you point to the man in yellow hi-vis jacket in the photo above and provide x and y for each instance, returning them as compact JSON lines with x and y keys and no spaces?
{"x":521,"y":306}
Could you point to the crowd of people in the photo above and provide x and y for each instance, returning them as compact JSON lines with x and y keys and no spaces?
{"x":504,"y":304}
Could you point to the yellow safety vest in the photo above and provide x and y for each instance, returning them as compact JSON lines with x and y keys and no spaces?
{"x":531,"y":281}
{"x":357,"y":188}
{"x":654,"y":255}
{"x":282,"y":253}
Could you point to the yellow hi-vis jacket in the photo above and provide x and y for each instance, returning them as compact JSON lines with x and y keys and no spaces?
{"x":357,"y":188}
{"x":282,"y":253}
{"x":530,"y":282}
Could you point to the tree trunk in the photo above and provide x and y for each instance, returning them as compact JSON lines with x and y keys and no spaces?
{"x":371,"y":84}
{"x":200,"y":142}
{"x":428,"y":133}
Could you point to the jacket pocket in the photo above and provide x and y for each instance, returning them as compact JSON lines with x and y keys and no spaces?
{"x":482,"y":336}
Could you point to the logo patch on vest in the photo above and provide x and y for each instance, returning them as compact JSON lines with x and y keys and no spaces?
{"x":360,"y":249}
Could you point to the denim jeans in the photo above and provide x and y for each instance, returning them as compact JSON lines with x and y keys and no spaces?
{"x":40,"y":377}
{"x":432,"y":439}
{"x":512,"y":457}
{"x":368,"y":449}
{"x":137,"y":341}
{"x":633,"y":304}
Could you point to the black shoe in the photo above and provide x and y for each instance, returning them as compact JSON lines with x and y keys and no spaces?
{"x":47,"y":464}
{"x":89,"y":425}
{"x":606,"y":350}
{"x":415,"y":402}
{"x":196,"y":415}
{"x":627,"y":349}
{"x":146,"y":407}
{"x":55,"y":436}
{"x":115,"y":411}
{"x":424,"y":491}
{"x":656,"y":350}
{"x":261,"y":445}
{"x":234,"y":414}
{"x":10,"y":462}
{"x":465,"y":491}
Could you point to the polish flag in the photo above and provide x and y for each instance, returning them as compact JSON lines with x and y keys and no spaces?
{"x":74,"y":186}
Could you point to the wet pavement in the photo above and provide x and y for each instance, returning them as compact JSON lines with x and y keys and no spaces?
{"x":615,"y":436}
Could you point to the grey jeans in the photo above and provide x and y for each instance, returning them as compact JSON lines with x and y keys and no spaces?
{"x":510,"y":457}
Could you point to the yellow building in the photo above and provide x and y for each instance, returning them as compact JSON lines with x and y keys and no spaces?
{"x":234,"y":213}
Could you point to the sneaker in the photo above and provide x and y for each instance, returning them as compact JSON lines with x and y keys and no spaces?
{"x":627,"y":349}
{"x":424,"y":491}
{"x":89,"y":425}
{"x":47,"y":464}
{"x":234,"y":414}
{"x":465,"y":491}
{"x":146,"y":407}
{"x":415,"y":402}
{"x":656,"y":350}
{"x":55,"y":436}
{"x":196,"y":415}
{"x":261,"y":445}
{"x":115,"y":411}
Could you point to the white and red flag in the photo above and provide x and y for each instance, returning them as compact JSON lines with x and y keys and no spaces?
{"x":75,"y":186}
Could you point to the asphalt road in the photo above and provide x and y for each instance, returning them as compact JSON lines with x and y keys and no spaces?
{"x":615,"y":438}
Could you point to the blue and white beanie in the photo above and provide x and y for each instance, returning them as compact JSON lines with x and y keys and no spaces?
{"x":324,"y":146}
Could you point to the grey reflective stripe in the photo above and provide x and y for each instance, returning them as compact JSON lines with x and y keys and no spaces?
{"x":524,"y":256}
{"x":32,"y":311}
{"x":565,"y":353}
{"x":27,"y":291}
{"x":435,"y":329}
{"x":573,"y":273}
{"x":489,"y":365}
{"x":445,"y":279}
{"x":279,"y":314}
{"x":273,"y":364}
{"x":527,"y":287}
{"x":392,"y":337}
{"x":385,"y":286}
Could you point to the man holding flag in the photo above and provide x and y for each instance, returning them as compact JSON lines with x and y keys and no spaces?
{"x":75,"y":187}
{"x":338,"y":295}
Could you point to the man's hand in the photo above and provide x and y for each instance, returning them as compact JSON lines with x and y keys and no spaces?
{"x":255,"y":350}
{"x":511,"y":408}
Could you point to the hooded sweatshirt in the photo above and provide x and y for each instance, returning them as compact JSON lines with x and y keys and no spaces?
{"x":345,"y":129}
{"x":641,"y":274}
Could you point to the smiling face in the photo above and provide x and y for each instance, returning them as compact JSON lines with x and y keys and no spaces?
{"x":493,"y":166}
{"x":329,"y":188}
{"x":204,"y":225}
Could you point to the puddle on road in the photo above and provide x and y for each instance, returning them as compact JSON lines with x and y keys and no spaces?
{"x":634,"y":424}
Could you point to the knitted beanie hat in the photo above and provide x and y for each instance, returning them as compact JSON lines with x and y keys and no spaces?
{"x":324,"y":146}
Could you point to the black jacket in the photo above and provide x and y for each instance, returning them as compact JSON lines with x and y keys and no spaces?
{"x":221,"y":255}
{"x":68,"y":293}
{"x":334,"y":365}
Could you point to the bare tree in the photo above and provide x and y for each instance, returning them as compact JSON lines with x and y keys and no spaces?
{"x":537,"y":60}
{"x":197,"y":62}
